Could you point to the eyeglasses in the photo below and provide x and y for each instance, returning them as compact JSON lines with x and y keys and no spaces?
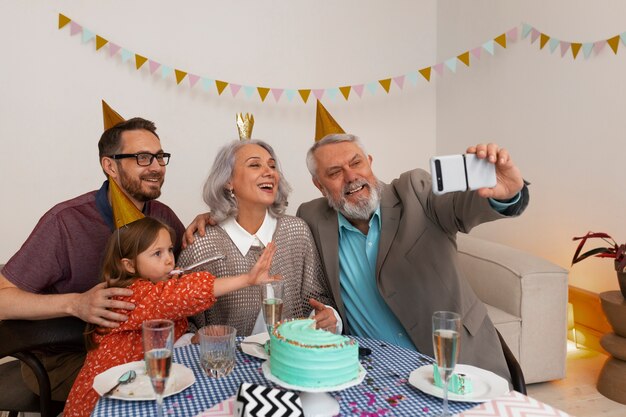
{"x":145,"y":159}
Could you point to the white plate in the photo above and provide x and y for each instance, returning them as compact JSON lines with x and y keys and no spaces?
{"x":267,"y":372}
{"x":485,"y":384}
{"x":252,"y":349}
{"x":140,"y":389}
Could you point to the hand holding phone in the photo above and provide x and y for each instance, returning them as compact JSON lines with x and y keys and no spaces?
{"x":461,"y":173}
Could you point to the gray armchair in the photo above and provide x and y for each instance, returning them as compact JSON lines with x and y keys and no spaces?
{"x":526,"y":298}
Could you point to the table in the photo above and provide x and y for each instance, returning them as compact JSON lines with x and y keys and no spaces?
{"x":384,"y":392}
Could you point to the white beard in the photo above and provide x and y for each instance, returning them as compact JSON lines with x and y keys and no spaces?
{"x":364,"y":207}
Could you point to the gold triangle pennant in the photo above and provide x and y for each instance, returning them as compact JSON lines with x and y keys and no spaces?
{"x":386,"y":83}
{"x":263,"y":92}
{"x":220,"y":85}
{"x":425,"y":73}
{"x":345,"y":91}
{"x":63,"y":20}
{"x":543,"y":40}
{"x":464,"y":58}
{"x":304,"y":94}
{"x":576,"y":48}
{"x":180,"y":76}
{"x":613,"y":43}
{"x":140,"y":60}
{"x":100,"y":42}
{"x":501,"y":40}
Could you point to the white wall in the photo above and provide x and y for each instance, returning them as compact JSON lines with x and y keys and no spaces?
{"x":52,"y":84}
{"x":561,"y":119}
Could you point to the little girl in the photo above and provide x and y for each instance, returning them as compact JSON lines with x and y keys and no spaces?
{"x":140,"y":256}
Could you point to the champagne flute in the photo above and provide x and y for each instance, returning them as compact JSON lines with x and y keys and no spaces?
{"x":272,"y":299}
{"x":446,"y":338}
{"x":158,"y":343}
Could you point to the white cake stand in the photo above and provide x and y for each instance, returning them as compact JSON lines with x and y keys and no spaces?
{"x":316,"y":402}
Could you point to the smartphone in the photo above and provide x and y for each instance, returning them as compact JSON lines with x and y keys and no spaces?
{"x":461,"y":173}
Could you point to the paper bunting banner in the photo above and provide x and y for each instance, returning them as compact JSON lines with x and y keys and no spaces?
{"x":574,"y":47}
{"x":387,"y":84}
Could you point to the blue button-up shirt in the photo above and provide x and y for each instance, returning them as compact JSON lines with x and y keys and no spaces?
{"x":368,"y":314}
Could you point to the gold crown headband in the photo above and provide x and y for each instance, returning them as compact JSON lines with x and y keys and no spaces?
{"x":245,"y":123}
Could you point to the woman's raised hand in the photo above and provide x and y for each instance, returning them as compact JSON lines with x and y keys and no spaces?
{"x":260,"y":272}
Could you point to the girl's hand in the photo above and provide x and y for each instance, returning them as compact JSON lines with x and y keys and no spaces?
{"x":260,"y":272}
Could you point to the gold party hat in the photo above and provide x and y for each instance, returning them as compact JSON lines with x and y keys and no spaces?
{"x":324,"y":123}
{"x":110,"y":116}
{"x":245,"y":125}
{"x":124,"y":211}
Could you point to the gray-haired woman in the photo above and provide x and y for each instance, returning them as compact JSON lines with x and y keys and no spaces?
{"x":247,"y":194}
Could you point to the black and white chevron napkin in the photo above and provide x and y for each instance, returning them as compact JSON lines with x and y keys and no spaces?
{"x":259,"y":401}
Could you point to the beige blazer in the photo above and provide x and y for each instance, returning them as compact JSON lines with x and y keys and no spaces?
{"x":417,"y":270}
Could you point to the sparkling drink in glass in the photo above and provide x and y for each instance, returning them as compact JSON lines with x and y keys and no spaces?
{"x":446,"y":338}
{"x":217,"y":350}
{"x":158,"y":344}
{"x":272,"y":300}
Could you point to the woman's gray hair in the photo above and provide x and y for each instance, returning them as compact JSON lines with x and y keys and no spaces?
{"x":311,"y":164}
{"x":219,"y":199}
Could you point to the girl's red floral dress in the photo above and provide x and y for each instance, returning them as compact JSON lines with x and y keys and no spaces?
{"x":174,"y":299}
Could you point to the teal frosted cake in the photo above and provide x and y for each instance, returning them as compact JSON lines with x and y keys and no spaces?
{"x":308,"y":357}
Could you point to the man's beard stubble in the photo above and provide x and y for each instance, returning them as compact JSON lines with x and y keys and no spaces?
{"x":364,"y":207}
{"x":132,"y":186}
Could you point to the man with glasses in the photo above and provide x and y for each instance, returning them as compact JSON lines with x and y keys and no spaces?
{"x":57,"y":271}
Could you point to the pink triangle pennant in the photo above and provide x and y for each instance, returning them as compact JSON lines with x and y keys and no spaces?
{"x":476,"y":51}
{"x":277,"y":92}
{"x":234,"y":88}
{"x":399,"y":80}
{"x":193,"y":79}
{"x":318,"y":93}
{"x":564,"y":48}
{"x":598,"y":46}
{"x":75,"y":28}
{"x":153,"y":65}
{"x":438,"y":68}
{"x":358,"y":89}
{"x":512,"y":34}
{"x":534,"y":35}
{"x":113,"y":48}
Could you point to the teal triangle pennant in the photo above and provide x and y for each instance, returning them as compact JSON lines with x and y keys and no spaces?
{"x":249,"y":90}
{"x":207,"y":84}
{"x":622,"y":36}
{"x":553,"y":43}
{"x":372,"y":87}
{"x":166,"y":71}
{"x":451,"y":64}
{"x":412,"y":77}
{"x":290,"y":94}
{"x":587,"y":48}
{"x":88,"y":35}
{"x":526,"y":28}
{"x":126,"y":55}
{"x":488,"y":46}
{"x":332,"y":92}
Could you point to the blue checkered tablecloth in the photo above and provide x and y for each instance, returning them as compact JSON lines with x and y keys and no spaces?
{"x":385,"y":390}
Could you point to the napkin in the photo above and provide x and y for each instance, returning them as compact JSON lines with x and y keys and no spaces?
{"x":259,"y":401}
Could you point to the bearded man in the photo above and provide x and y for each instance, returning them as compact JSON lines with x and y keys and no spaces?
{"x":56,"y":272}
{"x":389,"y":250}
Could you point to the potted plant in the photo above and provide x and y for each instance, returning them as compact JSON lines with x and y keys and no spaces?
{"x":613,"y":250}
